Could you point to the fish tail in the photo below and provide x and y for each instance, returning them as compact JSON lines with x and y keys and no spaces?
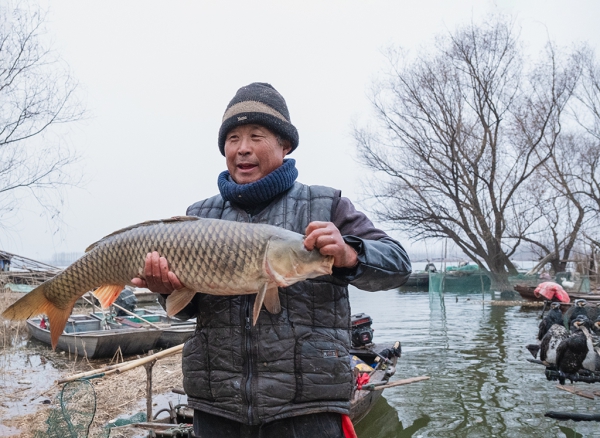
{"x":35,"y":303}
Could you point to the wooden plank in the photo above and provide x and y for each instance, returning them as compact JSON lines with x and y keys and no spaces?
{"x":578,"y":392}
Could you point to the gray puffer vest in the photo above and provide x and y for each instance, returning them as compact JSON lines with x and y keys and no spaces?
{"x":292,"y":363}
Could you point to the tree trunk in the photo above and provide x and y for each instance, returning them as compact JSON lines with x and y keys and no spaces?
{"x":500,"y":282}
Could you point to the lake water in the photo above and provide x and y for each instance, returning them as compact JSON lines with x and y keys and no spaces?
{"x":481,"y":383}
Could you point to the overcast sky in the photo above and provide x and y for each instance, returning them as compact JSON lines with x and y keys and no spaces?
{"x":156,"y":78}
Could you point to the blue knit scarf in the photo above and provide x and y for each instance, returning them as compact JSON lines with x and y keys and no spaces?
{"x":259,"y":191}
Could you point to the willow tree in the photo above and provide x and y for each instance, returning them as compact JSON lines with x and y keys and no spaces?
{"x":463,"y":129}
{"x":36,"y":96}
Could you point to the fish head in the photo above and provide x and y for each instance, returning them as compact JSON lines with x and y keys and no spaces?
{"x":287,"y":261}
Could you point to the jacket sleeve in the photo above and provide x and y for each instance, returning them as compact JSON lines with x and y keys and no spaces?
{"x":382,"y":261}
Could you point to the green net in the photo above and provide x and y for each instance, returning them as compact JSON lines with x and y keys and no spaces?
{"x":74,"y":413}
{"x":446,"y":282}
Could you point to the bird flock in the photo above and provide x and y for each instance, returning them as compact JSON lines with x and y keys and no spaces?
{"x":569,"y":343}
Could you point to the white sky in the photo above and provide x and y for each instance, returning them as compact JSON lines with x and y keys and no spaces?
{"x":156,"y":78}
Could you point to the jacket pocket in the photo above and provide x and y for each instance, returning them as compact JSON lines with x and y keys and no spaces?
{"x":195,"y":365}
{"x":322,"y":369}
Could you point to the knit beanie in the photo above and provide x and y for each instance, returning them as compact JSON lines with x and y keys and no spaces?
{"x":261,"y":104}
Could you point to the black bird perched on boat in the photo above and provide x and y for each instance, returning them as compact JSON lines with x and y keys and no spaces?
{"x":572,"y":353}
{"x":554,"y":316}
{"x":550,"y":343}
{"x":578,"y":308}
{"x":596,"y":326}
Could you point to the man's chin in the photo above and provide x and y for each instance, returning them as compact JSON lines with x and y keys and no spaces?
{"x":246,"y":178}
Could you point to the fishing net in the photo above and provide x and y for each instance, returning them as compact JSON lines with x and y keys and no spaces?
{"x":74,"y":412}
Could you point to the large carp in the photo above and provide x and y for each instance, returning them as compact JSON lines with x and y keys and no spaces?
{"x":208,"y":255}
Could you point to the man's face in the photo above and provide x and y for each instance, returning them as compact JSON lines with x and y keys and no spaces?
{"x":252,"y":152}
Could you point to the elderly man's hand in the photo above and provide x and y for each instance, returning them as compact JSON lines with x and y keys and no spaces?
{"x":158,"y":277}
{"x":326,"y":237}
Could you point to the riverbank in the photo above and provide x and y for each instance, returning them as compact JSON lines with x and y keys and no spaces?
{"x":29,"y":370}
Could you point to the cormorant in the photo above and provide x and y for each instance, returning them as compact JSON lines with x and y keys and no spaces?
{"x":554,"y":316}
{"x":578,"y":308}
{"x":577,"y":352}
{"x":550,"y":343}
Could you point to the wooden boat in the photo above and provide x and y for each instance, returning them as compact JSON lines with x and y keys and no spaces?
{"x":416,"y":280}
{"x":89,"y":337}
{"x":526,"y":292}
{"x":364,"y":399}
{"x":173,"y":331}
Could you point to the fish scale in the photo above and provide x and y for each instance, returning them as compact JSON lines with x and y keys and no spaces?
{"x":208,"y":255}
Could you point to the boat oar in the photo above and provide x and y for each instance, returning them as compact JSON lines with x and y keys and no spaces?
{"x":137,"y":316}
{"x":375,"y":387}
{"x":122,"y":367}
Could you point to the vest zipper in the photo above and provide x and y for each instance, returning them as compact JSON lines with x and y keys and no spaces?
{"x":248,"y":342}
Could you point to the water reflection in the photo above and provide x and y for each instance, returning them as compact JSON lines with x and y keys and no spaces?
{"x":481,"y":384}
{"x":383,"y":422}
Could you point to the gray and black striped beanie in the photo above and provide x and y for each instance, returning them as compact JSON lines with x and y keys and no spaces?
{"x":261,"y":104}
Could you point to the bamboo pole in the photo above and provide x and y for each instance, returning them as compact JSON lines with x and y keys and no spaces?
{"x":137,"y":316}
{"x":374,"y":387}
{"x":125,"y":366}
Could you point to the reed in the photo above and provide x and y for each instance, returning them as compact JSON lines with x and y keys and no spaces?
{"x":12,"y":333}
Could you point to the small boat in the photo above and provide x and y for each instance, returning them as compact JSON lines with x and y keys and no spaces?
{"x":417,"y":280}
{"x":526,"y":292}
{"x":90,"y":337}
{"x":364,"y":399}
{"x":173,"y":331}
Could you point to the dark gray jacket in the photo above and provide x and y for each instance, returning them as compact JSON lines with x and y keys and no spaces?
{"x":295,"y":362}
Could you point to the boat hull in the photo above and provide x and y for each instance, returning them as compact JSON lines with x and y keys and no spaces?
{"x":526,"y":293}
{"x":95,"y":344}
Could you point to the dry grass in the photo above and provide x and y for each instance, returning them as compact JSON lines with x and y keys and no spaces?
{"x":11,"y":332}
{"x":116,"y":394}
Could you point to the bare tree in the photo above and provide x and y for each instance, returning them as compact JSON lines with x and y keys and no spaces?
{"x":563,"y":210}
{"x":36,"y":95}
{"x":464,"y":128}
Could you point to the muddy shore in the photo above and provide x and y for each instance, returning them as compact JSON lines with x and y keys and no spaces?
{"x":28,"y":390}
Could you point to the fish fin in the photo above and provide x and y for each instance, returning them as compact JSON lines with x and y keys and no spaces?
{"x":143,"y":224}
{"x":258,"y":302}
{"x":177,"y":301}
{"x":108,"y":293}
{"x":35,"y":303}
{"x":270,"y":297}
{"x":272,"y":300}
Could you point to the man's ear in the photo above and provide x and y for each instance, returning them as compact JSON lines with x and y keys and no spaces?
{"x":287,"y":146}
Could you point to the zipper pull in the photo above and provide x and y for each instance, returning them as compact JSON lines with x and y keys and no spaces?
{"x":247,"y":323}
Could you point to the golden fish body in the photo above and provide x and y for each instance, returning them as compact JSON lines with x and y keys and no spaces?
{"x":208,"y":255}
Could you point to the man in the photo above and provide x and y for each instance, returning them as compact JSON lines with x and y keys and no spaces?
{"x":289,"y":375}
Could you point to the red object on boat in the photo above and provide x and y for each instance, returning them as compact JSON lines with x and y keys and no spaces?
{"x":362,"y":379}
{"x":552,"y":291}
